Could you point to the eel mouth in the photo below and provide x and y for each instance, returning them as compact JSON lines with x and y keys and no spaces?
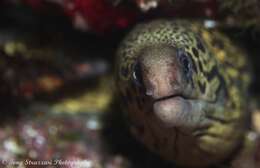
{"x":170,"y":97}
{"x":180,"y":111}
{"x":172,"y":110}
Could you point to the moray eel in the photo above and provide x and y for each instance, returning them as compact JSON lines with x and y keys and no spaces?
{"x":185,"y":91}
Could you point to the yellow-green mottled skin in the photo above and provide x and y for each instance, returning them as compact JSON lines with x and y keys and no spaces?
{"x":220,"y":80}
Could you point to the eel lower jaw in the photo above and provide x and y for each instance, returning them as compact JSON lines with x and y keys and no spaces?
{"x":179,"y":111}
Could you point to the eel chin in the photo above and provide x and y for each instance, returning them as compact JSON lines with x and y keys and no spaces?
{"x":177,"y":111}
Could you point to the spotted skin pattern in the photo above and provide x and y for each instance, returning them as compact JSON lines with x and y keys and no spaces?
{"x":219,"y":84}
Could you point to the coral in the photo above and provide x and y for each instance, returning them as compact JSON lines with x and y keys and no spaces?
{"x":244,"y":13}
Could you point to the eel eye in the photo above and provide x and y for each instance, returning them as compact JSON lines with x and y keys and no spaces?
{"x":185,"y":62}
{"x":137,"y":75}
